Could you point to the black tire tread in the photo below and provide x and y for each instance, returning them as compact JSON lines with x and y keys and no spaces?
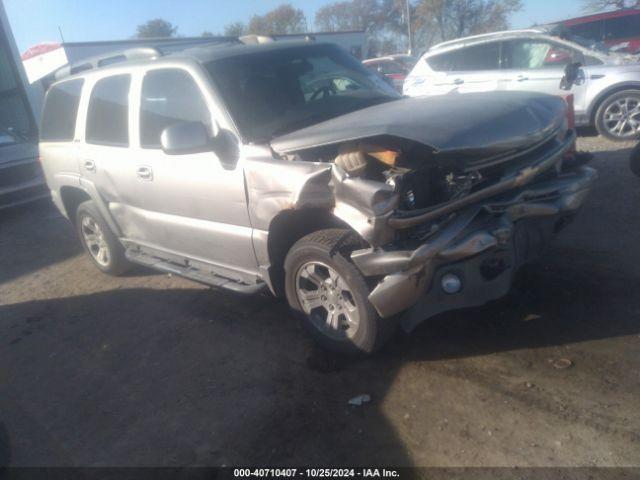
{"x":342,"y":242}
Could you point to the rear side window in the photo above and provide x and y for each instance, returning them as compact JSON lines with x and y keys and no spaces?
{"x":622,"y":27}
{"x":169,"y":96}
{"x":60,"y":110}
{"x":478,"y":57}
{"x":108,"y":115}
{"x":441,"y":63}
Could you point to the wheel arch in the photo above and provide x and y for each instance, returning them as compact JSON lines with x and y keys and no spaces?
{"x":286,"y":229}
{"x":602,"y":96}
{"x":71,"y":198}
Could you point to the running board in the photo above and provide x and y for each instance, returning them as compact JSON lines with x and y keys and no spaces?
{"x":192,"y":273}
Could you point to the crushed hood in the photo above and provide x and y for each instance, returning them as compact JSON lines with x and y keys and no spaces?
{"x":490,"y":122}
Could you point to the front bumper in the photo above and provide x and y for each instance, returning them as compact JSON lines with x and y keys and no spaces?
{"x":483,"y":245}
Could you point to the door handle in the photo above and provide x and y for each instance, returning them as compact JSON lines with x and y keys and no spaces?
{"x":458,"y":81}
{"x":521,"y":78}
{"x":144,"y":173}
{"x":90,"y":165}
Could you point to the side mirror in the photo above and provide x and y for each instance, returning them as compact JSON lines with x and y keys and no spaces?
{"x":185,"y":137}
{"x":571,"y":75}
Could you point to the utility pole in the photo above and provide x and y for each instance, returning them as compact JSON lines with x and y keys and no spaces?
{"x":410,"y":49}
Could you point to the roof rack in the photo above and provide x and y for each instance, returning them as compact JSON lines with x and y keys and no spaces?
{"x":150,"y":53}
{"x":259,"y":39}
{"x":141,"y":53}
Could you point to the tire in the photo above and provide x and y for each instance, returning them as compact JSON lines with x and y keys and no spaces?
{"x":634,"y":160}
{"x":355,"y":327}
{"x":613,"y":105}
{"x":88,"y":220}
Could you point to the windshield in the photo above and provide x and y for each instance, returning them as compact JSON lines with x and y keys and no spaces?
{"x":275,"y":92}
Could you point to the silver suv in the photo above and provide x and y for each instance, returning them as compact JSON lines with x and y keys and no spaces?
{"x":606,"y":92}
{"x":290,"y":167}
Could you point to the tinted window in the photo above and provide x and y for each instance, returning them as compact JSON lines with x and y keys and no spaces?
{"x":590,"y":30}
{"x":478,"y":57}
{"x":532,"y":54}
{"x":108,"y":115}
{"x":442,"y":63}
{"x":622,"y":27}
{"x":60,"y":110}
{"x":168,"y":97}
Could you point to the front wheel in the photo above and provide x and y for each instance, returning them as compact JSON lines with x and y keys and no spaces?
{"x":328,"y":293}
{"x":618,"y":118}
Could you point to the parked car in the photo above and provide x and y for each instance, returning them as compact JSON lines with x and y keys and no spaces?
{"x":619,"y":30}
{"x":394,"y":67}
{"x":361,"y":207}
{"x":21,"y":178}
{"x":606,"y":94}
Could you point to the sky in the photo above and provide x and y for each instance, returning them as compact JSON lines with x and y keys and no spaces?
{"x":36,"y":21}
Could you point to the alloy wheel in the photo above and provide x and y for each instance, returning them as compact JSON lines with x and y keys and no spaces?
{"x":93,"y":237}
{"x":327,"y":300}
{"x":622,"y":117}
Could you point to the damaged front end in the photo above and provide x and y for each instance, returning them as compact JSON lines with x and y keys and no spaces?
{"x":448,"y":229}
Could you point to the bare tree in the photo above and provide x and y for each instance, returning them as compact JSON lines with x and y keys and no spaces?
{"x":381,"y":19}
{"x":597,"y":5}
{"x":235,"y":29}
{"x":156,"y":28}
{"x":371,"y":15}
{"x":349,"y":15}
{"x":440,"y":20}
{"x":281,"y":20}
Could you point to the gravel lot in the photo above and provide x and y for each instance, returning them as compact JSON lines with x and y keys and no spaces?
{"x":153,"y":370}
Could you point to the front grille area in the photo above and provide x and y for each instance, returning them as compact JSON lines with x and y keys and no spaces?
{"x":22,"y":172}
{"x":496,"y":171}
{"x":516,"y":159}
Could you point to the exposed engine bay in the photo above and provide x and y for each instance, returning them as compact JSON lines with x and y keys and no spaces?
{"x":406,"y":166}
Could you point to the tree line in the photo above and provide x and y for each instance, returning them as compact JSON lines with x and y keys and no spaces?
{"x":385,"y":21}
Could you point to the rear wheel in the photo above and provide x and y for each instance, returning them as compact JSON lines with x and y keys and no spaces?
{"x":618,"y":117}
{"x":328,"y":293}
{"x":104,"y":249}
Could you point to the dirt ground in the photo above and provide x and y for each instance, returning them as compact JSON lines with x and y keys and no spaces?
{"x":156,"y":370}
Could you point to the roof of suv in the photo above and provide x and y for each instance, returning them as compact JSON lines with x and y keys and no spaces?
{"x":214,"y":52}
{"x":201,"y":54}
